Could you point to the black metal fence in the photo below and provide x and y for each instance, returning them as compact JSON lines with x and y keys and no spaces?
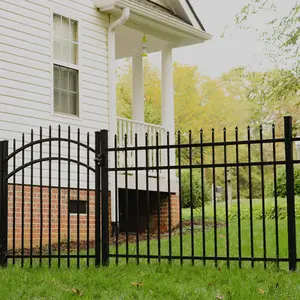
{"x":194,"y":234}
{"x":210,"y":204}
{"x":50,"y":199}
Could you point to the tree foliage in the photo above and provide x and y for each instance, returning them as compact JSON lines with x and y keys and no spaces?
{"x":283,"y":35}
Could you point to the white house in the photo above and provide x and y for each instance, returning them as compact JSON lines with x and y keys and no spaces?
{"x":58,"y":63}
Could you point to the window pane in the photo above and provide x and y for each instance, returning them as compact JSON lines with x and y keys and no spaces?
{"x":56,"y":101}
{"x":57,"y":26}
{"x":64,"y":102}
{"x":57,"y":50}
{"x":73,"y":80}
{"x":64,"y":78}
{"x":73,"y":31}
{"x":65,"y":39}
{"x":73,"y":103}
{"x":65,"y":90}
{"x":65,"y":28}
{"x":65,"y":51}
{"x":73,"y":53}
{"x":56,"y":77}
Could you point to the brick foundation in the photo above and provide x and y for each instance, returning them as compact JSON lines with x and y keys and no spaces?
{"x":164,"y":213}
{"x":36,"y":217}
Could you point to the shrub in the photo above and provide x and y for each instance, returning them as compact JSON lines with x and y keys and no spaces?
{"x":196,"y":189}
{"x":281,"y":182}
{"x":256,"y":212}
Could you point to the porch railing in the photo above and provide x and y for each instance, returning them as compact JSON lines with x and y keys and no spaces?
{"x":156,"y":135}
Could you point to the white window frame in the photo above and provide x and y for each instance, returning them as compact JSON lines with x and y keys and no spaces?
{"x":58,"y":10}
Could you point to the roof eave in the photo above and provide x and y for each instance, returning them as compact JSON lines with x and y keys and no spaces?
{"x":195,"y":14}
{"x":181,"y":26}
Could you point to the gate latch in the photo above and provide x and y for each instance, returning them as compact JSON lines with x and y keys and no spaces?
{"x":99,"y":159}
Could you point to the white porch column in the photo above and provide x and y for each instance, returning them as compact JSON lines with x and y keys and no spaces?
{"x":168,"y":121}
{"x":138,"y":105}
{"x":137,"y":88}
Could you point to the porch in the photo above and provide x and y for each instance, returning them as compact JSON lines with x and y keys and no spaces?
{"x":137,"y":42}
{"x":132,"y":133}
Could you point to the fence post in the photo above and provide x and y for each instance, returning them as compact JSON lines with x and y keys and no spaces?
{"x":97,"y":199}
{"x":3,"y":202}
{"x":290,"y":193}
{"x":104,"y":196}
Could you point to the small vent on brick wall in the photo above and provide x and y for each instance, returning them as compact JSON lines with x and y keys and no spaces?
{"x":74,"y":207}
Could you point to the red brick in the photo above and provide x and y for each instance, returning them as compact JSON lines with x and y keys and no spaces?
{"x":54,"y":215}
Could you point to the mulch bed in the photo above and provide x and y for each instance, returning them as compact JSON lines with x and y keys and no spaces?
{"x":186,"y":229}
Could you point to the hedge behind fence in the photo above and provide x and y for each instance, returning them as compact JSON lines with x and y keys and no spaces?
{"x":256,"y":212}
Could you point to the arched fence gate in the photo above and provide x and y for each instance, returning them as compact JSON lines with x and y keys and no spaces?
{"x":53,"y":199}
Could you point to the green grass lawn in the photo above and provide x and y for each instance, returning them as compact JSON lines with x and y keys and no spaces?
{"x":164,"y":280}
{"x":154,"y":282}
{"x":221,"y":242}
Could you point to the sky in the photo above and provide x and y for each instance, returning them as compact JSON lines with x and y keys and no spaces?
{"x":237,"y":48}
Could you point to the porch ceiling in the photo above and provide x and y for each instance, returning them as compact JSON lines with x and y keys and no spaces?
{"x":129,"y":42}
{"x":161,"y":30}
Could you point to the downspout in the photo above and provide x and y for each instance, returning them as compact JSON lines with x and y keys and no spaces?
{"x":111,"y":69}
{"x":113,"y":105}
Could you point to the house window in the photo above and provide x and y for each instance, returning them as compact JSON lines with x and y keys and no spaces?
{"x":65,"y":66}
{"x":74,"y":208}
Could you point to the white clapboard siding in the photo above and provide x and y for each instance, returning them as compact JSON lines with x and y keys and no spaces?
{"x":94,"y":43}
{"x":25,"y":44}
{"x":25,"y":78}
{"x":89,"y":78}
{"x":32,"y":31}
{"x":26,"y":91}
{"x":14,"y":84}
{"x":18,"y":62}
{"x":23,"y":36}
{"x":19,"y":94}
{"x":25,"y":53}
{"x":29,"y":5}
{"x":13,"y":12}
{"x":23,"y":103}
{"x":18,"y":68}
{"x":95,"y":73}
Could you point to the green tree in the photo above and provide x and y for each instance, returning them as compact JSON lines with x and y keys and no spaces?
{"x":283,"y":35}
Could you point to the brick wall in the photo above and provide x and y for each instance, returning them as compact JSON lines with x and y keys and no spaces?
{"x":36,"y":217}
{"x":164,"y":213}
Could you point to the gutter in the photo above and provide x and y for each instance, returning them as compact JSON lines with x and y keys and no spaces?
{"x":121,"y":21}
